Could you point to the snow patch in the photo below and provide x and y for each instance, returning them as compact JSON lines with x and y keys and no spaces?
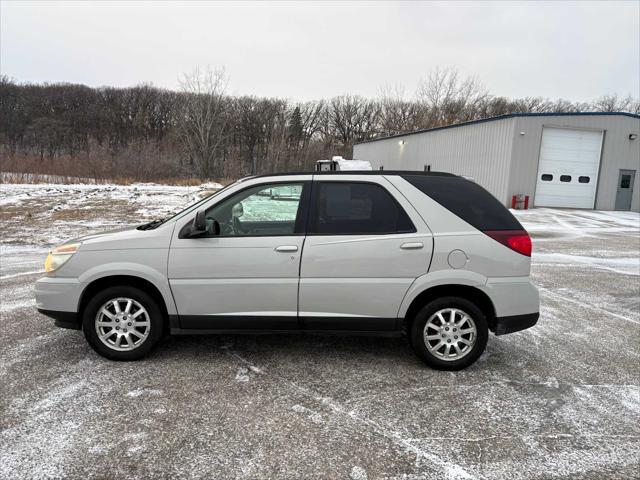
{"x":358,"y":473}
{"x":547,"y":224}
{"x":75,"y":210}
{"x":211,"y":186}
{"x":22,"y":274}
{"x":138,"y":392}
{"x":624,"y":265}
{"x":315,"y":417}
{"x":10,"y":306}
{"x":242,"y":375}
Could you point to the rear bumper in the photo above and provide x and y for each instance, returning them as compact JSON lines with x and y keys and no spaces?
{"x":516,"y":301}
{"x":515,"y":323}
{"x":63,"y":319}
{"x":513,"y":296}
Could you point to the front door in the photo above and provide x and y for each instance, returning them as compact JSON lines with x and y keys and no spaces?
{"x":625,"y":189}
{"x":364,"y":248}
{"x":246,"y":275}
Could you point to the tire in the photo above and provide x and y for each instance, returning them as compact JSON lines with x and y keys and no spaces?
{"x":143,"y":323}
{"x":433,"y":351}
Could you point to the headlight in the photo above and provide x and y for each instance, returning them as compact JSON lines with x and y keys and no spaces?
{"x":59,"y":255}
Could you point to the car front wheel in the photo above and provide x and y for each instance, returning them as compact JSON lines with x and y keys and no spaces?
{"x":122,"y":323}
{"x":449,"y":333}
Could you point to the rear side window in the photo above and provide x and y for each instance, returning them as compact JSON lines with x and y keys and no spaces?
{"x":467,"y":200}
{"x":352,"y":208}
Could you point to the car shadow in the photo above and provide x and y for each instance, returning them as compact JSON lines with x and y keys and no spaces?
{"x":290,"y":347}
{"x":313,"y":350}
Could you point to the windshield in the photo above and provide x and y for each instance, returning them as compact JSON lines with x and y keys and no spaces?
{"x":194,"y":206}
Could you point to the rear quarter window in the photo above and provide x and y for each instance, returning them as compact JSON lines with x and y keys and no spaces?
{"x":467,"y":200}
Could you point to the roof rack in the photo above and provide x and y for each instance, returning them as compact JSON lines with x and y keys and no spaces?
{"x":358,"y":172}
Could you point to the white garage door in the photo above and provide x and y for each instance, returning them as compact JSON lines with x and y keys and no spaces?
{"x":568,"y":168}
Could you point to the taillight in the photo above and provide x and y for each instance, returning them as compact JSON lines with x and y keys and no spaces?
{"x":517,"y":240}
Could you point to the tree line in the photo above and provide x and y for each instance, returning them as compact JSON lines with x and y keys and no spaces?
{"x":149,"y":133}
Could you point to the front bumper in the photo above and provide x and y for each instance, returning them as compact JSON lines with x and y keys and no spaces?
{"x":515,"y":323}
{"x":58,"y":298}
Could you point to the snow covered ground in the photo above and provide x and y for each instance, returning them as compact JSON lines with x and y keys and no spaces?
{"x":561,"y":400}
{"x":46,"y":214}
{"x":600,"y":230}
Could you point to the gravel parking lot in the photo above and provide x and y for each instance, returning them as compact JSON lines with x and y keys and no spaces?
{"x":560,"y":400}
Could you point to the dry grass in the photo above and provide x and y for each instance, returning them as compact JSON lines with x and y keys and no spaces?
{"x":35,"y":178}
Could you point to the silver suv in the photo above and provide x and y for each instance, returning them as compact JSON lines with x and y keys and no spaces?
{"x":430,"y":255}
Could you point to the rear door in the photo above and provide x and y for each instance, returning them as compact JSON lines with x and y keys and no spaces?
{"x":365,"y":245}
{"x":245,"y":277}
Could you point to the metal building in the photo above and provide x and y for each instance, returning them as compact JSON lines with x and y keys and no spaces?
{"x":572,"y":160}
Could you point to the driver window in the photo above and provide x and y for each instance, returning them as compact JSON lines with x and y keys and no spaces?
{"x":258,"y":211}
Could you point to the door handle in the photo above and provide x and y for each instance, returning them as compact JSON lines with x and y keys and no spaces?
{"x":287,"y":248}
{"x":411,"y":246}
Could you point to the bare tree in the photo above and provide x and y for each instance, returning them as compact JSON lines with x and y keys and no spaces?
{"x":203,"y":121}
{"x":615,"y":103}
{"x":351,"y":118}
{"x":311,"y":124}
{"x":397,"y":115}
{"x":447,"y":98}
{"x":146,"y":133}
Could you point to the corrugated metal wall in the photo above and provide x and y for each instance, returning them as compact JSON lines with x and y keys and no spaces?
{"x":618,"y":152}
{"x":505,"y":162}
{"x":481,"y":150}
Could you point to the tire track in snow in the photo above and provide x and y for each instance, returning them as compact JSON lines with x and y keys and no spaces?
{"x":21,"y":274}
{"x":451,"y":470}
{"x":586,"y":305}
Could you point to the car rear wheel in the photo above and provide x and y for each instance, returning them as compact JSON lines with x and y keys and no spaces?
{"x":449,"y":333}
{"x":122,"y":323}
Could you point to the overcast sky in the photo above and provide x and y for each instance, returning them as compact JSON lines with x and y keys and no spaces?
{"x":306,"y":51}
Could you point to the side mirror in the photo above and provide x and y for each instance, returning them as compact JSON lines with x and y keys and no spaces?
{"x":200,"y":226}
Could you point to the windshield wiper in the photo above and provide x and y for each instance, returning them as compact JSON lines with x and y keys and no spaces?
{"x":151,"y":225}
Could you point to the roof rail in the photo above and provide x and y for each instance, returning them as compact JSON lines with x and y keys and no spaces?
{"x":359,"y":172}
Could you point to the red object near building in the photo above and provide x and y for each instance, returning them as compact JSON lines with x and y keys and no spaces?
{"x":520,"y":202}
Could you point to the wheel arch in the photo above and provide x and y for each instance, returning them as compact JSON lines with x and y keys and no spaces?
{"x":471,"y":293}
{"x":124,"y":280}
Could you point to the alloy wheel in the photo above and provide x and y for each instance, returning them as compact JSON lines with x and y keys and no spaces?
{"x":122,"y":324}
{"x":450,"y":334}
